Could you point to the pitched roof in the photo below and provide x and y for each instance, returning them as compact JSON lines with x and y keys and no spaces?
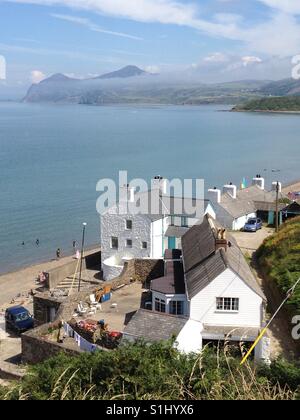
{"x":176,"y":231}
{"x":154,"y":326}
{"x":203,"y":263}
{"x":265,"y":206}
{"x":173,"y":206}
{"x":248,"y":201}
{"x":198,"y":243}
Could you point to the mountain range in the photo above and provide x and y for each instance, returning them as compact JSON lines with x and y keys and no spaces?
{"x":132,"y":85}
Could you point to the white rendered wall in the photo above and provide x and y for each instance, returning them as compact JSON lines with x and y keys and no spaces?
{"x":238,"y":224}
{"x":189,"y":339}
{"x":158,"y":229}
{"x":228,"y":284}
{"x":113,"y":225}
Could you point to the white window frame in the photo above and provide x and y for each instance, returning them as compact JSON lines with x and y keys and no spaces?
{"x":126,"y":227}
{"x":111,"y":242}
{"x":224,"y":303}
{"x":126,"y":243}
{"x":176,"y":302}
{"x":161,"y":303}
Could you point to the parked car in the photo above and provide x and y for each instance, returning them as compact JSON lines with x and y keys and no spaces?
{"x":253,"y":225}
{"x":18,"y":319}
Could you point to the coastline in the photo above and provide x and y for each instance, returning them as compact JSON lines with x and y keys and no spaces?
{"x":24,"y":279}
{"x":265,"y":111}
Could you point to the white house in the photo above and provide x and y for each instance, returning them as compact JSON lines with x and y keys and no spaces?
{"x":126,"y":236}
{"x":217,"y":296}
{"x":234,"y":207}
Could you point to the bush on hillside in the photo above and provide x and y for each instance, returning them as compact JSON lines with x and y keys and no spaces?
{"x":152,"y":372}
{"x":279,"y":257}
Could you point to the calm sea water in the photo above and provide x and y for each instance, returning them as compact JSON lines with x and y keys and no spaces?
{"x":51,"y":158}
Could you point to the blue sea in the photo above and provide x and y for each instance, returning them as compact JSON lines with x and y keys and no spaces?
{"x":51,"y":157}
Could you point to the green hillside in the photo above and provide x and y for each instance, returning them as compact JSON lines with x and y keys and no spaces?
{"x":274,"y":104}
{"x":279,"y":256}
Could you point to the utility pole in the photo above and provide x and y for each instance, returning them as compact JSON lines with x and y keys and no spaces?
{"x":277,"y":206}
{"x":81,"y":257}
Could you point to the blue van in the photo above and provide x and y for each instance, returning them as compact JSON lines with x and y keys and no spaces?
{"x":18,"y":319}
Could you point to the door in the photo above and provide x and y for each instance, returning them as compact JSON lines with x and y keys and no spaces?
{"x":171,"y":242}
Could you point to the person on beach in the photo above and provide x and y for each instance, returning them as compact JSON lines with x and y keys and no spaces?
{"x":37,"y":242}
{"x":58,"y":253}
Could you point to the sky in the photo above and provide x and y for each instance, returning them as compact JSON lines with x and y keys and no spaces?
{"x":215,"y":40}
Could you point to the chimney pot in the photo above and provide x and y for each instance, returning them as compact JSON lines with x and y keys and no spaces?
{"x":214,"y":195}
{"x":231,"y":190}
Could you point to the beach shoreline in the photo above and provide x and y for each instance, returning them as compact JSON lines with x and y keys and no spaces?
{"x":22,"y":281}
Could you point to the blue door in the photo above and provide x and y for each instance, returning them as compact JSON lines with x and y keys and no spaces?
{"x":172,"y":242}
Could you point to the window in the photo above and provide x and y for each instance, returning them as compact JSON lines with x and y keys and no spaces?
{"x":172,"y":222}
{"x":228,"y":304}
{"x":128,"y":224}
{"x":128,"y":243}
{"x":176,"y":307}
{"x":144,"y":245}
{"x":114,"y":242}
{"x":184,"y":222}
{"x":160,"y":305}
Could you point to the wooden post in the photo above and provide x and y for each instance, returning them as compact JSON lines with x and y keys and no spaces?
{"x":277,"y":206}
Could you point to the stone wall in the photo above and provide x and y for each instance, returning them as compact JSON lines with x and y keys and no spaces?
{"x":42,"y":304}
{"x":58,"y":274}
{"x":36,"y":347}
{"x":64,"y":307}
{"x":140,"y":270}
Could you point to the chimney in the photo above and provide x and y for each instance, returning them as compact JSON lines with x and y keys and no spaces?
{"x":259,"y":181}
{"x":214,"y":195}
{"x":231,"y":190}
{"x":127,"y":194}
{"x":158,"y":182}
{"x":221,"y":241}
{"x":274,"y":186}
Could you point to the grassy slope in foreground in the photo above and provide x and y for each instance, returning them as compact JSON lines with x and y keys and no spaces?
{"x":274,"y":104}
{"x":279,"y":256}
{"x":156,"y":372}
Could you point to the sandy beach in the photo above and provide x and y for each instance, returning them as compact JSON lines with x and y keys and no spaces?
{"x":22,"y":281}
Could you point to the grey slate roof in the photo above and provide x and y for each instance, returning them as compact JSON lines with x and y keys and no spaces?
{"x":248,"y":201}
{"x":154,"y":326}
{"x":203,"y":263}
{"x":176,"y":231}
{"x":198,"y":244}
{"x":175,"y":206}
{"x":265,"y":206}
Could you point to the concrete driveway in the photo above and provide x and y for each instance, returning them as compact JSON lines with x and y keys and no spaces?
{"x":250,"y":242}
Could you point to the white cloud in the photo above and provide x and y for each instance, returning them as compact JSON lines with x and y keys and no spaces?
{"x":279,"y":34}
{"x":248,"y":60}
{"x":152,"y":69}
{"x":93,"y":27}
{"x":216,"y":58}
{"x":37,"y":76}
{"x":286,"y":6}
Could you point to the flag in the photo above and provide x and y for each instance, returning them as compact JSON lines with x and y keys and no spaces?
{"x":244,"y":184}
